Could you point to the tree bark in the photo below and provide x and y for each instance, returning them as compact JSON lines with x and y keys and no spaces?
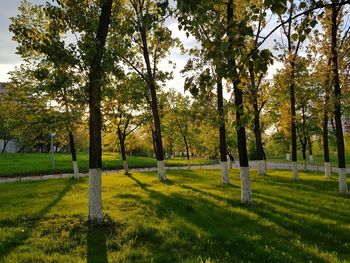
{"x":154,"y":104}
{"x":303,"y":145}
{"x":74,"y":155}
{"x":311,"y":156}
{"x":122,"y":151}
{"x":293,"y":119}
{"x":257,"y":128}
{"x":95,"y":82}
{"x":222,"y":131}
{"x":325,"y":125}
{"x":337,"y":94}
{"x":246,"y":192}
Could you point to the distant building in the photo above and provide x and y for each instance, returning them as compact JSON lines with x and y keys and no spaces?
{"x":2,"y":87}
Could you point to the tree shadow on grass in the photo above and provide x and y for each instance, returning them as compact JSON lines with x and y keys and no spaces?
{"x":96,"y":244}
{"x":98,"y":236}
{"x":329,"y":238}
{"x":29,"y":224}
{"x":230,"y":233}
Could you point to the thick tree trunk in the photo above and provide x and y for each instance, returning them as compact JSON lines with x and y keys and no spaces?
{"x":74,"y":155}
{"x":222,"y":131}
{"x":337,"y":95}
{"x":246,"y":191}
{"x":154,"y":142}
{"x":154,"y":104}
{"x":95,"y":82}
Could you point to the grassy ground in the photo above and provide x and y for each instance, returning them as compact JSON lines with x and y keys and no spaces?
{"x":318,"y":159}
{"x":192,"y":219}
{"x":38,"y":163}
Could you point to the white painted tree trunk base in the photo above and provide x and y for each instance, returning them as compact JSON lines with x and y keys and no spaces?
{"x":343,"y":186}
{"x":311,"y":158}
{"x":161,"y":171}
{"x":246,"y":189}
{"x":126,"y":167}
{"x":305,"y":165}
{"x":261,"y":167}
{"x":76,"y":170}
{"x":327,"y":170}
{"x":229,"y":163}
{"x":224,"y":173}
{"x":95,"y":195}
{"x":295,"y":171}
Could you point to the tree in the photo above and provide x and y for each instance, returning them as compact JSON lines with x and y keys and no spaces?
{"x":123,"y":109}
{"x":180,"y":119}
{"x":38,"y":31}
{"x":146,"y":41}
{"x":96,"y":75}
{"x":343,"y":187}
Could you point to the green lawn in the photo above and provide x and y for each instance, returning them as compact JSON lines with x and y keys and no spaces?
{"x":318,"y":159}
{"x":192,"y":219}
{"x":39,"y":163}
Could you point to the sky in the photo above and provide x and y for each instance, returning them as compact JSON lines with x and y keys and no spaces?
{"x":9,"y":60}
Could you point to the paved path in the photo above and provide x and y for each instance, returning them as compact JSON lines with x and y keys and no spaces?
{"x":252,"y":164}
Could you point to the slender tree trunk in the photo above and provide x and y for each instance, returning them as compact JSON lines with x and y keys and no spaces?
{"x":246,"y":191}
{"x":187,"y":151}
{"x":5,"y":144}
{"x":222,"y":130}
{"x":152,"y":86}
{"x":257,"y":128}
{"x":74,"y":155}
{"x":303,"y":145}
{"x":95,"y":82}
{"x":311,"y":156}
{"x":20,"y":150}
{"x":122,"y":151}
{"x":343,"y":187}
{"x":293,"y":121}
{"x":327,"y":165}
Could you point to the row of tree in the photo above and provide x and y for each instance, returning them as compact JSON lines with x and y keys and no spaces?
{"x":106,"y":54}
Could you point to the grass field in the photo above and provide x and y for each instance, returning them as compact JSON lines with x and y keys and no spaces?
{"x":39,"y":163}
{"x":192,"y":219}
{"x":318,"y":159}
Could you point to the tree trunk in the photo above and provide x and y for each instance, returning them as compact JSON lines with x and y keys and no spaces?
{"x":303,"y":145}
{"x":311,"y":156}
{"x":293,"y":121}
{"x":74,"y":155}
{"x":325,"y":126}
{"x":5,"y":144}
{"x":257,"y":129}
{"x":246,"y":191}
{"x":95,"y":82}
{"x":123,"y":152}
{"x":343,"y":187}
{"x":187,"y":152}
{"x":222,"y":131}
{"x":154,"y":142}
{"x":154,"y":104}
